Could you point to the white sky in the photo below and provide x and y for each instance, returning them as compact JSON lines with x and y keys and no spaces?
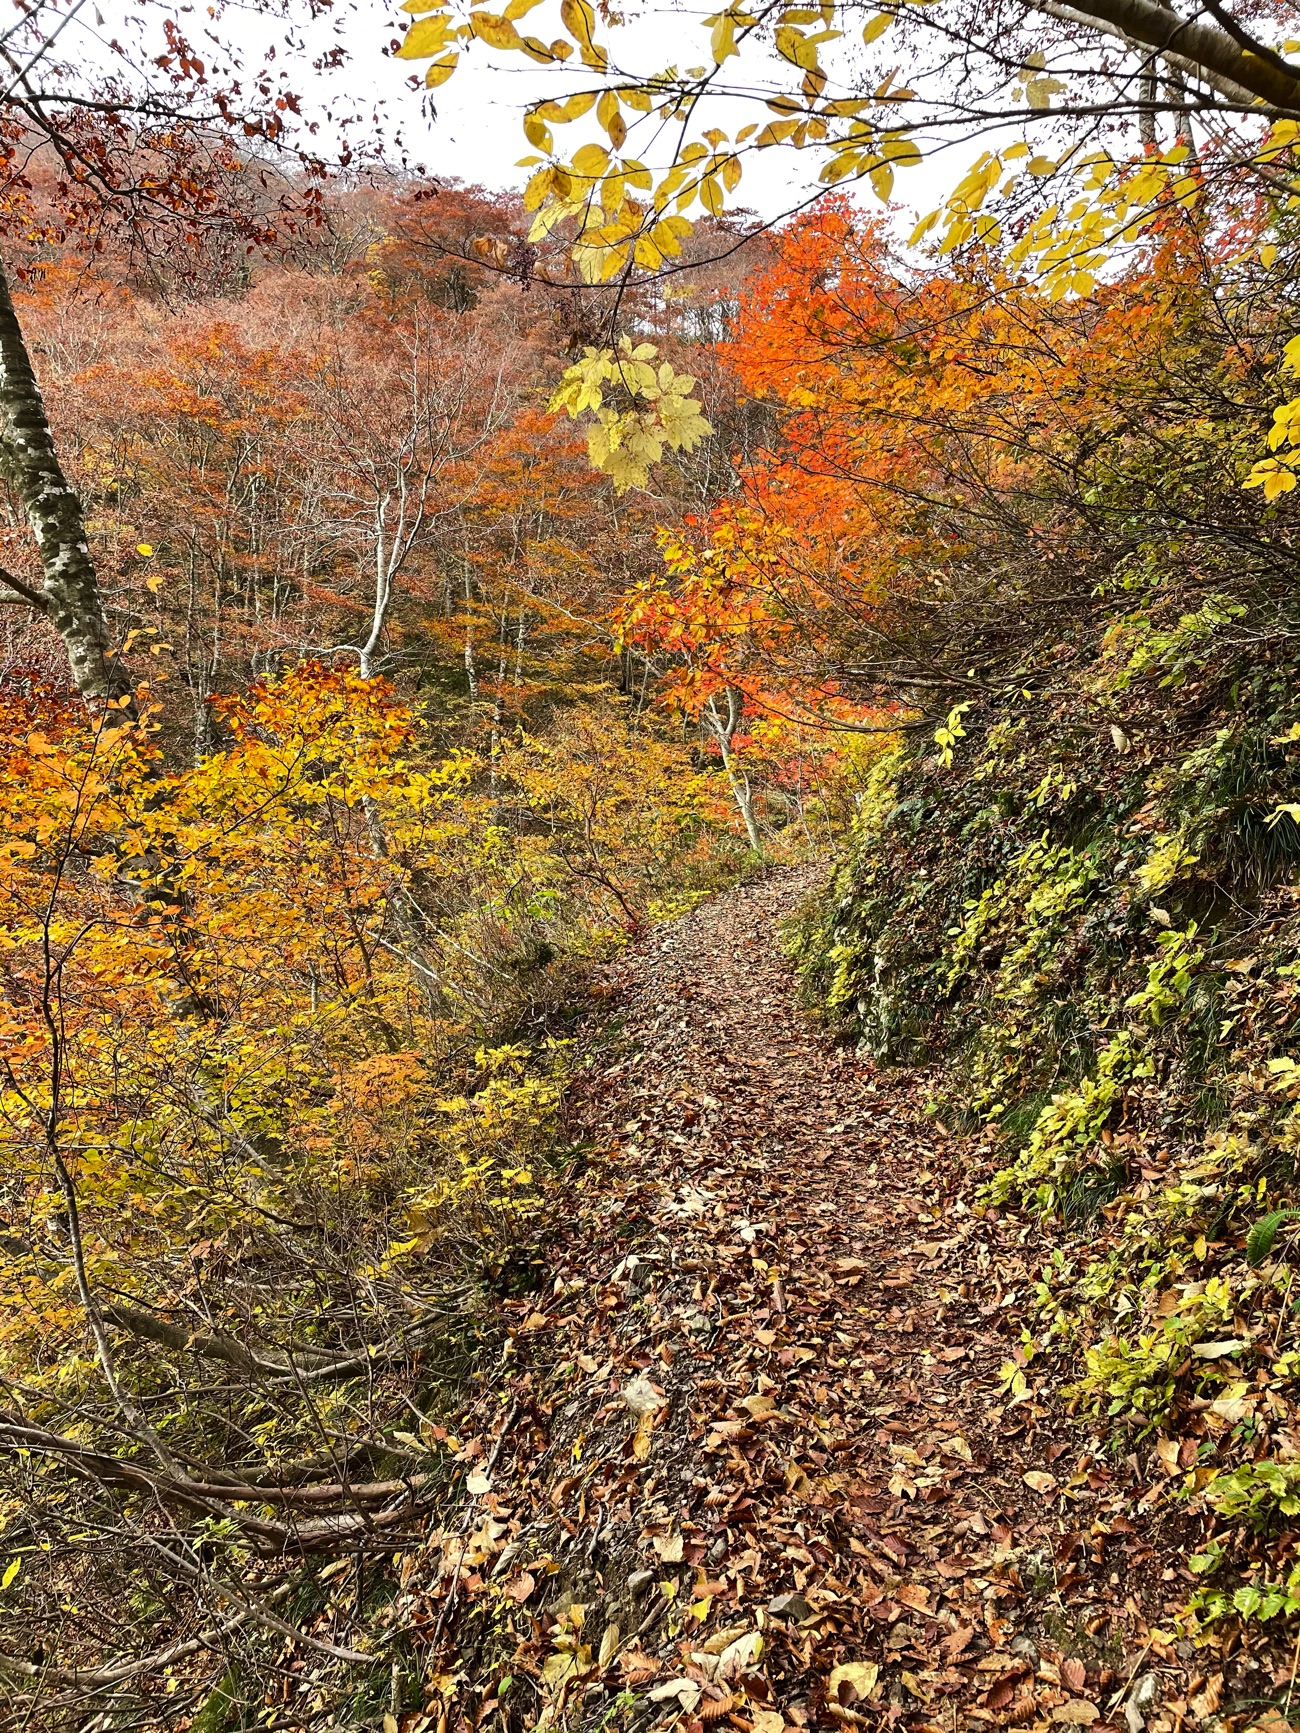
{"x":477,"y":134}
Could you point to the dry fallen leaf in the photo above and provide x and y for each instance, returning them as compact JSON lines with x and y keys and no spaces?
{"x":721,"y":1639}
{"x":1167,"y":1451}
{"x":758,"y":1407}
{"x":740,"y":1656}
{"x":851,"y":1682}
{"x":638,"y":1667}
{"x":687,"y":1692}
{"x":1000,"y":1694}
{"x":1078,"y":1712}
{"x":959,"y":1641}
{"x":1073,"y":1674}
{"x":1206,"y":1701}
{"x":1041,"y":1481}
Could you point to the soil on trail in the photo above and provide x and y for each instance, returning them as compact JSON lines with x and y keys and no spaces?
{"x":769,"y":1393}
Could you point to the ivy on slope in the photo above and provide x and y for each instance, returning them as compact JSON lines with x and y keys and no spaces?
{"x":1082,"y":900}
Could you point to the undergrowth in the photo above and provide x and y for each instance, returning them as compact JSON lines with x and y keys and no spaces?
{"x":1081,"y":900}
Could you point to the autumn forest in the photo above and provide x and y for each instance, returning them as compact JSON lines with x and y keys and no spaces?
{"x":650,"y":872}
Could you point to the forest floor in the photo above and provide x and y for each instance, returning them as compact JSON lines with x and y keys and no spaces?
{"x":761,"y":1464}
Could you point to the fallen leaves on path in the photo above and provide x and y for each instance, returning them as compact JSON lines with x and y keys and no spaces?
{"x":779,"y":1460}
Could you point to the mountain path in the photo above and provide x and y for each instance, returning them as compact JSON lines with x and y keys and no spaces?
{"x":768,"y":1406}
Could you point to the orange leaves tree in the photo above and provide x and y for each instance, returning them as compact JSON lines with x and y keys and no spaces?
{"x":720,"y":628}
{"x":957,"y":458}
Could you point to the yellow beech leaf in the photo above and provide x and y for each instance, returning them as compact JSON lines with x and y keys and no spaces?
{"x":425,"y":37}
{"x":496,"y":32}
{"x":537,"y":132}
{"x":441,"y":71}
{"x":591,"y":160}
{"x":580,"y":21}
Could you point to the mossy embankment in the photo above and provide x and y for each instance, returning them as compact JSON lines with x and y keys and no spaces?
{"x":1080,"y":904}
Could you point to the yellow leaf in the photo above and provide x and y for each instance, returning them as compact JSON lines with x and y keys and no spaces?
{"x":145,"y":550}
{"x":441,"y":71}
{"x":580,"y":21}
{"x":591,"y":160}
{"x":425,"y":37}
{"x":496,"y":32}
{"x":607,"y":113}
{"x":851,"y":1682}
{"x":877,"y":26}
{"x":11,"y":1571}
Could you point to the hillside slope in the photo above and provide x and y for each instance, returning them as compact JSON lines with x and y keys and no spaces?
{"x":1082,"y":905}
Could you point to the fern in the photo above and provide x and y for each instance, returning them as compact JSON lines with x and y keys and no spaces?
{"x":1259,"y":1241}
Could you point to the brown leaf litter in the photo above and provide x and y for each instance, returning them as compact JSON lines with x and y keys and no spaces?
{"x":762,"y":1468}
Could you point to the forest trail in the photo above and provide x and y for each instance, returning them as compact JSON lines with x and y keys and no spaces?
{"x":769,"y":1387}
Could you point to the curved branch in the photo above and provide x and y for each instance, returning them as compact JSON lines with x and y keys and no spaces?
{"x":1206,"y":53}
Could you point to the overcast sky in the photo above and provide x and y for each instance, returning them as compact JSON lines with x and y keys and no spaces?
{"x":476,"y":135}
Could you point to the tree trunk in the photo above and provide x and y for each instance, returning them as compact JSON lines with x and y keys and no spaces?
{"x":69,"y":596}
{"x":740,"y":788}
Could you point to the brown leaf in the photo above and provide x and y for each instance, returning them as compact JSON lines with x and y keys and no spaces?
{"x":1206,"y":1701}
{"x":520,"y":1589}
{"x":958,"y":1642}
{"x":913,"y":1595}
{"x":1073,"y":1674}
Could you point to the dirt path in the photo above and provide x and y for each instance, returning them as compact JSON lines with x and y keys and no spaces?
{"x":765,"y":1396}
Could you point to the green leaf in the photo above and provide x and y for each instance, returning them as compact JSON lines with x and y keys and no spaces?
{"x":1259,"y":1241}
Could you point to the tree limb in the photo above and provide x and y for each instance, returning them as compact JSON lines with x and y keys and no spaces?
{"x":1205,"y":52}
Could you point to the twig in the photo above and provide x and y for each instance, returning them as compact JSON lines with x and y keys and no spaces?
{"x":122,"y":1672}
{"x":454,"y":1591}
